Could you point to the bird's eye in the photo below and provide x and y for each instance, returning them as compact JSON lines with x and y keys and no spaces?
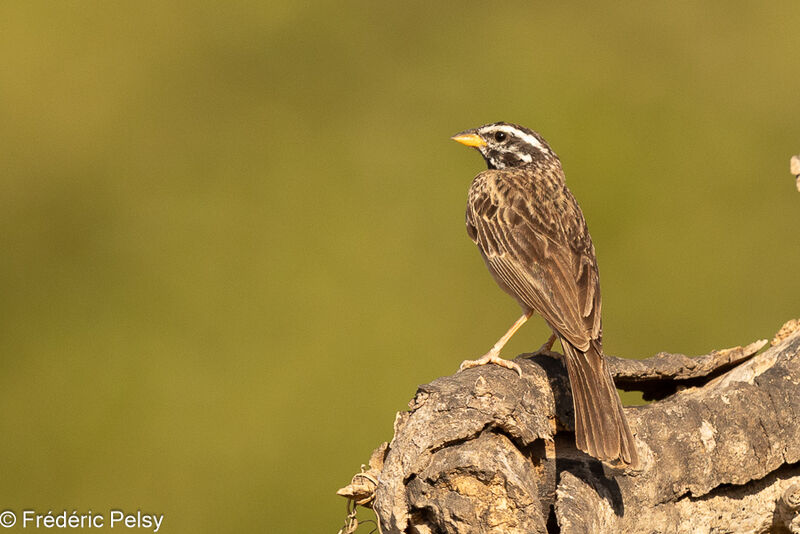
{"x":500,"y":136}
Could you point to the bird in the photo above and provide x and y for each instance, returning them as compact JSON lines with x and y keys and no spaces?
{"x":533,"y":238}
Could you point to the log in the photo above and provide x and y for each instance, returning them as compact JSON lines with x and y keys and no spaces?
{"x":485,"y":451}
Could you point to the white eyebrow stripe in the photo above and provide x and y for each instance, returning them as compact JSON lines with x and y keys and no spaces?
{"x":528,"y":138}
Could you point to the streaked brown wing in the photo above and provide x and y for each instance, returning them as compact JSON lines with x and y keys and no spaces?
{"x":540,"y":254}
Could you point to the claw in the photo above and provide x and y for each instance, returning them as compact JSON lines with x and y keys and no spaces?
{"x":491,"y":357}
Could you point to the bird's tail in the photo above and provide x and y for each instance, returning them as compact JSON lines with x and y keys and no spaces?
{"x":601,"y":429}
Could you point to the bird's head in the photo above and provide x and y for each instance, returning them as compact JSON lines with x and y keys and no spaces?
{"x":505,"y":145}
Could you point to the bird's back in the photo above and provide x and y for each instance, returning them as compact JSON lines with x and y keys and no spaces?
{"x":533,"y":236}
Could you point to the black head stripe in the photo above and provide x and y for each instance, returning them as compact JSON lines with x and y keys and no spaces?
{"x":518,"y":146}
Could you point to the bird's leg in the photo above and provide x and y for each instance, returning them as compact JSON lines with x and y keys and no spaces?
{"x":547,"y":347}
{"x":493,"y":356}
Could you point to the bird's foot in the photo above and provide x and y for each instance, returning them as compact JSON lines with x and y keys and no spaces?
{"x":491,"y":357}
{"x":547,"y":348}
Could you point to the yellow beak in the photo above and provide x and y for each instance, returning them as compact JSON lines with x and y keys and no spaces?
{"x":469,"y":139}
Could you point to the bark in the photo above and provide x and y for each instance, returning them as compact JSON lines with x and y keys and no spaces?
{"x":485,"y":451}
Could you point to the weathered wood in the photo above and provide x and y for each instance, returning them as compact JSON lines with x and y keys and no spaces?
{"x":665,"y":373}
{"x":485,"y":451}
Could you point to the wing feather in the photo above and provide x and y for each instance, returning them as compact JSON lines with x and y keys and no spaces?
{"x":546,"y":262}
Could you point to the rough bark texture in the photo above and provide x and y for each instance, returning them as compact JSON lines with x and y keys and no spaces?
{"x":484,"y":451}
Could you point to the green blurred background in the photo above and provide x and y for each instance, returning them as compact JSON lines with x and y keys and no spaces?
{"x":233,"y":239}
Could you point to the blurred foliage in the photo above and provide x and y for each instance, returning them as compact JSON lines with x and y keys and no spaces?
{"x":233,"y":232}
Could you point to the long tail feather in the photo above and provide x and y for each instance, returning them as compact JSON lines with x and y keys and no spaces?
{"x":601,"y":429}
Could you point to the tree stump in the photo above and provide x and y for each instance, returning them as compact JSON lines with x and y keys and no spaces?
{"x":485,"y":451}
